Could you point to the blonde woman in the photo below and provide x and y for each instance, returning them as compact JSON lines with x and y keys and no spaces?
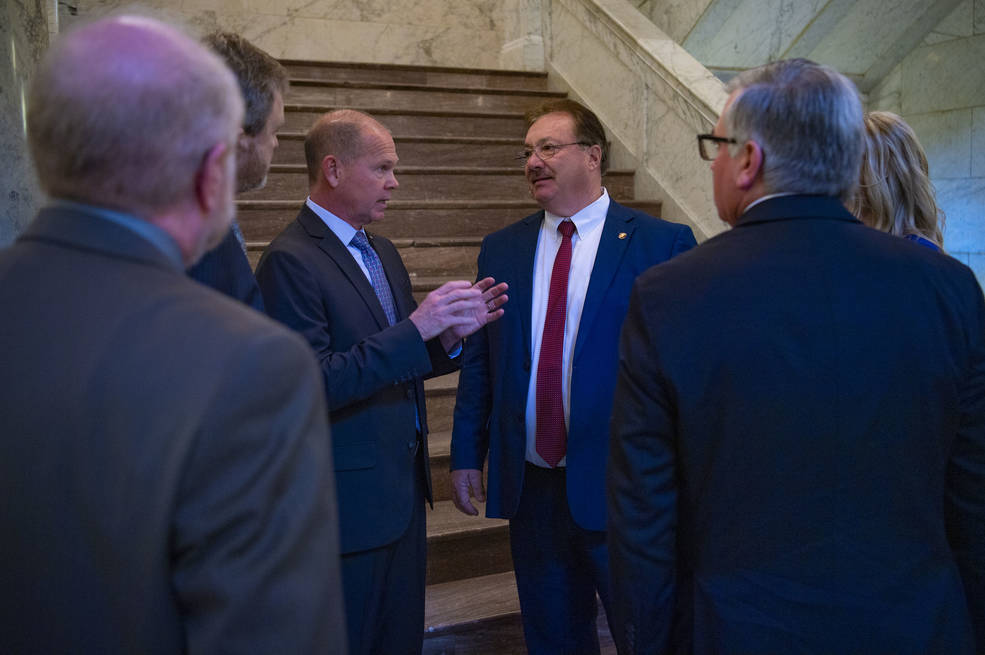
{"x":895,"y":194}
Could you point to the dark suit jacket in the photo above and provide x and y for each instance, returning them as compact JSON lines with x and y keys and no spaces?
{"x":225,"y":268}
{"x":372,"y":371}
{"x":490,"y":411}
{"x":798,"y":446}
{"x":164,"y":461}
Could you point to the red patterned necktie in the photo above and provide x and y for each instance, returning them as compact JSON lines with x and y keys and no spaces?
{"x":551,"y":436}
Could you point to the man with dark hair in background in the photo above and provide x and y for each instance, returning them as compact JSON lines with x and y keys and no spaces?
{"x":535,"y":390}
{"x":263,"y":83}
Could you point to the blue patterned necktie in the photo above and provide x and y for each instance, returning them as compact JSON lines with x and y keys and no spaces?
{"x":376,"y":275}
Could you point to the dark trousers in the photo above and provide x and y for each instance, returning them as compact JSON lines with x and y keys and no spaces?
{"x":559,"y":567}
{"x":384,"y":589}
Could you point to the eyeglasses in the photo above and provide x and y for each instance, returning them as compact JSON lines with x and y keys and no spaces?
{"x":703,"y":147}
{"x":546,"y":150}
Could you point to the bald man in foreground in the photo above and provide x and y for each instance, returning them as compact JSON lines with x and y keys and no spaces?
{"x":165,"y":465}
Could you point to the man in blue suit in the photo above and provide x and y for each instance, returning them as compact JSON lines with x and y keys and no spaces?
{"x":798,"y":436}
{"x":535,"y":390}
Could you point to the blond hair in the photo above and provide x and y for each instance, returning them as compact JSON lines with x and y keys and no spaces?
{"x":895,"y":194}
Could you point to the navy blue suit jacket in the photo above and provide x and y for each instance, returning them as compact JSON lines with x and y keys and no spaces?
{"x":491,"y":406}
{"x":373,"y":372}
{"x":226,"y":269}
{"x":798,"y":446}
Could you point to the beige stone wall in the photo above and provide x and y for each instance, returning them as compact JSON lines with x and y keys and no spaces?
{"x":939,"y":89}
{"x":24,"y":35}
{"x":469,"y":33}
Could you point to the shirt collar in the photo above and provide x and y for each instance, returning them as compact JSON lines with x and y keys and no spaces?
{"x":765,"y":198}
{"x":339,"y":227}
{"x":585,"y":219}
{"x":150,"y":232}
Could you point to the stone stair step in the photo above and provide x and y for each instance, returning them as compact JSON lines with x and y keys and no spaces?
{"x":262,"y":220}
{"x":457,"y":261}
{"x":413,"y":96}
{"x":481,"y":616}
{"x":290,"y":181}
{"x":417,"y":122}
{"x":439,"y":452}
{"x":425,"y":150}
{"x":465,"y":604}
{"x":406,"y":74}
{"x":462,"y":546}
{"x":440,"y":393}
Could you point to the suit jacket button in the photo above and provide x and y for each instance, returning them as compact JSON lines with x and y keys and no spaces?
{"x":526,"y":365}
{"x":409,"y":393}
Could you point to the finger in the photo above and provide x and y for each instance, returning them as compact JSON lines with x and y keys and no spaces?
{"x":496,"y":303}
{"x":495,"y":291}
{"x":484,"y":283}
{"x":489,"y":317}
{"x":453,"y":285}
{"x":475,"y":482}
{"x":462,"y":501}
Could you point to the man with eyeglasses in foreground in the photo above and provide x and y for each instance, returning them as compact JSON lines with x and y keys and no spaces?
{"x":535,"y":391}
{"x":798,"y":435}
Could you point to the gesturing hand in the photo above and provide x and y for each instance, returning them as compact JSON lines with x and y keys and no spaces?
{"x":449,"y":305}
{"x":493,"y":298}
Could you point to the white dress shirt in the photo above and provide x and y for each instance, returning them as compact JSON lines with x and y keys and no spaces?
{"x":343,"y":231}
{"x":584,"y":245}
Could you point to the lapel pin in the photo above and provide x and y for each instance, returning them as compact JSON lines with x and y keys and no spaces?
{"x":622,"y":235}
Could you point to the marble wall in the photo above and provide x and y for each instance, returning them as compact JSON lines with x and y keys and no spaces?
{"x":469,"y":33}
{"x":939,"y":88}
{"x":24,"y":35}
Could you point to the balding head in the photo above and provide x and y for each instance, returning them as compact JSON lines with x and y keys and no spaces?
{"x":124,"y":111}
{"x":351,"y":159}
{"x":339,"y":133}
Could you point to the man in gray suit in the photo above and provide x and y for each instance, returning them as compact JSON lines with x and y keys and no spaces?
{"x":164,"y":455}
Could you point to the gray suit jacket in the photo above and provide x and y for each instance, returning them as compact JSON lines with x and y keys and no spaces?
{"x":164,"y":459}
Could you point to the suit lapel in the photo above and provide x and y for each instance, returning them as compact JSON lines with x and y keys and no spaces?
{"x":523,"y":293}
{"x":618,"y":221}
{"x":332,"y":246}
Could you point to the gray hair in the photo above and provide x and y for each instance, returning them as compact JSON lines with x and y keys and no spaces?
{"x":807,"y":118}
{"x":122,"y":112}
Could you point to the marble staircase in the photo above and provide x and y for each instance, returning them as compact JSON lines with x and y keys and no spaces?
{"x":456,"y":133}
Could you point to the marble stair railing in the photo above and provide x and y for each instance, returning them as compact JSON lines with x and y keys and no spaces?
{"x":653,"y":97}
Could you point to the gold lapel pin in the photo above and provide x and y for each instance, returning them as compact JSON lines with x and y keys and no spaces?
{"x":622,"y":235}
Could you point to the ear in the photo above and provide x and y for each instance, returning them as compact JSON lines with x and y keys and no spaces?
{"x":210,"y":179}
{"x":244,"y":144}
{"x":595,"y":156}
{"x":750,"y":165}
{"x":331,"y":170}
